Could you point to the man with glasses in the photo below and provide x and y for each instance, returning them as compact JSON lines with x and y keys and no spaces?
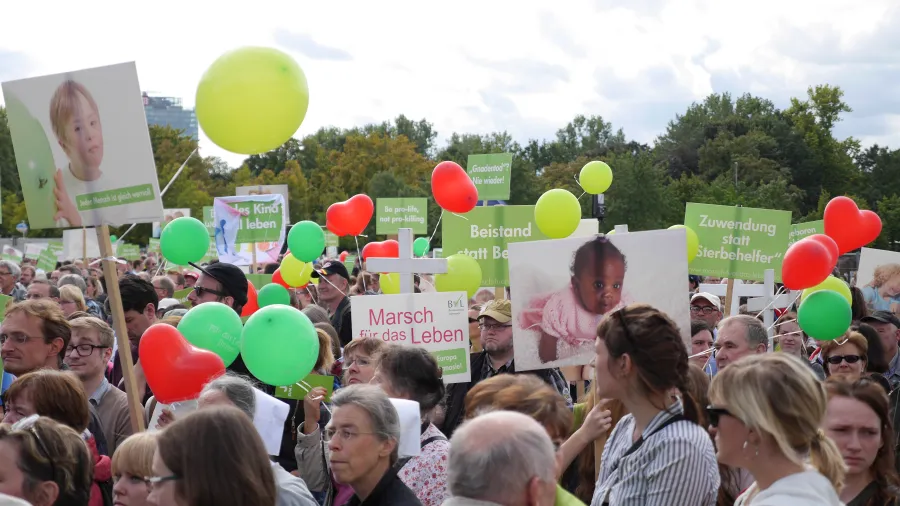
{"x":707,"y":307}
{"x":9,"y":280}
{"x":496,"y":358}
{"x":42,"y":289}
{"x":220,"y":282}
{"x":87,"y":355}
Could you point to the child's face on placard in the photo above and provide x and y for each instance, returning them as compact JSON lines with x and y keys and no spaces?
{"x":599,"y":285}
{"x":83,"y":142}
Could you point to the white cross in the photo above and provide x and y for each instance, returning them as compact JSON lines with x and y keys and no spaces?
{"x":763,"y":297}
{"x":407,"y":264}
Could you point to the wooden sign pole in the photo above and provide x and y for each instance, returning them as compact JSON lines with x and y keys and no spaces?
{"x":118,"y":315}
{"x":253,"y":260}
{"x":729,"y":293}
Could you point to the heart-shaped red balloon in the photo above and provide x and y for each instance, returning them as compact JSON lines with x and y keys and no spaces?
{"x":351,"y":216}
{"x":343,"y":256}
{"x":829,"y":244}
{"x":452,"y":188}
{"x":806,"y":263}
{"x":383,"y":249}
{"x":252,"y":304}
{"x":176,"y":370}
{"x":848,"y":226}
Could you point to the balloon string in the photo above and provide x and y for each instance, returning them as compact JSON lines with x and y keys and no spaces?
{"x":436,"y":227}
{"x":460,"y":216}
{"x":362,"y":271}
{"x":575,"y":177}
{"x":306,"y":387}
{"x":335,"y":287}
{"x":311,"y":296}
{"x":582,"y":195}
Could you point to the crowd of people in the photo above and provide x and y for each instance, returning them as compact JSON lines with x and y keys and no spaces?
{"x":733,"y":417}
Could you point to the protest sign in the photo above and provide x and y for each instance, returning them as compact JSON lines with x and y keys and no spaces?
{"x":801,"y":230}
{"x":33,"y":249}
{"x":248,"y":223}
{"x":491,"y":174}
{"x":5,"y":300}
{"x":209,"y":220}
{"x":259,"y":280}
{"x":269,"y":189}
{"x":331,"y":239}
{"x":84,"y":134}
{"x":128,"y":251}
{"x":12,"y":254}
{"x":299,"y":391}
{"x":153,"y":246}
{"x":350,"y":262}
{"x":437,"y":322}
{"x":738,"y":242}
{"x":168,"y":216}
{"x":78,"y":243}
{"x":878,"y":278}
{"x":56,"y":246}
{"x":393,"y":214}
{"x":46,"y":261}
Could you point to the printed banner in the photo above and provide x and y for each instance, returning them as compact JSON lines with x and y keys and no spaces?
{"x":46,"y":261}
{"x":12,"y":254}
{"x":437,"y":322}
{"x":491,"y":174}
{"x":153,"y":246}
{"x":801,"y":230}
{"x":331,"y":239}
{"x":393,"y":214}
{"x":128,"y":251}
{"x":738,"y":242}
{"x":350,"y":263}
{"x":878,"y":278}
{"x":209,"y":220}
{"x":269,"y":189}
{"x":83,"y":149}
{"x":243,"y":223}
{"x":168,"y":216}
{"x":33,"y":249}
{"x":74,"y":241}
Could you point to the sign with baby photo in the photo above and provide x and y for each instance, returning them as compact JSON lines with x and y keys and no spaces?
{"x":83,"y":149}
{"x":435,"y":321}
{"x":393,"y":214}
{"x":564,"y":287}
{"x":738,"y":242}
{"x":878,"y":278}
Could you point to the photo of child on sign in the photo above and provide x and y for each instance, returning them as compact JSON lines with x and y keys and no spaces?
{"x":879,"y":279}
{"x":82,"y":146}
{"x":563,"y":296}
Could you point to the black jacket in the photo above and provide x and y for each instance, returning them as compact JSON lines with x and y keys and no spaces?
{"x":390,"y":491}
{"x":342,"y":322}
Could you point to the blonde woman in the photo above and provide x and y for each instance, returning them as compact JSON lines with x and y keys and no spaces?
{"x":132,"y":462}
{"x":883,"y":292}
{"x":765,"y":414}
{"x":71,"y":300}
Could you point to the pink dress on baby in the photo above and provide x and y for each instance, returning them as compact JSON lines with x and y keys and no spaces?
{"x":561,"y":315}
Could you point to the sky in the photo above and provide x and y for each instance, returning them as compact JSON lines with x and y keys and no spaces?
{"x":527,"y":67}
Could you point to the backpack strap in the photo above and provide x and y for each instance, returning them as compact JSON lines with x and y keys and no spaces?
{"x":637,"y":444}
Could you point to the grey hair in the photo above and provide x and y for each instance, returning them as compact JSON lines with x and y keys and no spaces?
{"x":13,"y":268}
{"x":505,"y":440}
{"x":166,"y":283}
{"x":383,"y":414}
{"x":73,"y":279}
{"x":238,"y":389}
{"x":316,"y":314}
{"x":54,"y":290}
{"x":755,"y":330}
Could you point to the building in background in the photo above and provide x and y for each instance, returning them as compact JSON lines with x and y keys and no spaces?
{"x":168,"y":111}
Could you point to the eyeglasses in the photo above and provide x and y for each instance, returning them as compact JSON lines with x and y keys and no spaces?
{"x":714,"y":413}
{"x":850,"y":359}
{"x":7,"y":273}
{"x":154,"y":482}
{"x":473,"y":320}
{"x":342,"y":434}
{"x":84,"y":350}
{"x":17,"y":338}
{"x":26,"y":425}
{"x":200,"y":291}
{"x":494,"y":326}
{"x":359,"y":361}
{"x":703,"y":309}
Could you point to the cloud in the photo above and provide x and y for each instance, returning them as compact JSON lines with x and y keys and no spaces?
{"x":522,"y":75}
{"x":13,"y":65}
{"x":305,"y":45}
{"x":559,"y":34}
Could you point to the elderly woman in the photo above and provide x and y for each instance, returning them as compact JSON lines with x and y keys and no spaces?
{"x":846,"y":356}
{"x":363,"y":438}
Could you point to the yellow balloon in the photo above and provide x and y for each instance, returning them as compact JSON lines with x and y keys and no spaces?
{"x":693,"y":242}
{"x":295,"y":272}
{"x":831,"y":283}
{"x":463,"y":275}
{"x":557,"y":213}
{"x":595,"y":177}
{"x":611,"y":232}
{"x":389,"y":283}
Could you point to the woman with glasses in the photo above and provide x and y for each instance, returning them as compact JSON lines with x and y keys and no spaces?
{"x":765,"y":414}
{"x":71,"y":300}
{"x":131,"y":464}
{"x":846,"y":356}
{"x":657,"y":454}
{"x":45,"y":463}
{"x":212,"y":456}
{"x":858,"y":420}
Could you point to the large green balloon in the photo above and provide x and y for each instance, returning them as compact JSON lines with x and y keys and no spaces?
{"x":824,"y":315}
{"x":557,"y":213}
{"x":463,"y":275}
{"x":279,"y":345}
{"x":272,"y":294}
{"x":215,"y":327}
{"x":252,"y":100}
{"x":184,"y":240}
{"x":306,"y":241}
{"x":421,"y":246}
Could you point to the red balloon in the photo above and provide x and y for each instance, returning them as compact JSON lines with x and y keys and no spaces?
{"x":252,"y":305}
{"x":176,"y":370}
{"x":806,"y":263}
{"x":343,"y":256}
{"x":350,"y":217}
{"x":829,"y":244}
{"x":383,"y":249}
{"x":452,"y":188}
{"x":277,"y":279}
{"x":848,"y":226}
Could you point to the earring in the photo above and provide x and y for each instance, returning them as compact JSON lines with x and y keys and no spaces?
{"x":757,"y":450}
{"x":745,"y":445}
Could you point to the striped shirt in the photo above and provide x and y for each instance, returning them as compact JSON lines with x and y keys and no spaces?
{"x":673,"y":467}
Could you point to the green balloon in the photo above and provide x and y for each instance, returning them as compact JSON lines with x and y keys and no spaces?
{"x":113,"y":239}
{"x":272,"y":294}
{"x":215,"y":327}
{"x":824,"y":315}
{"x":184,"y":240}
{"x":279,"y":345}
{"x":306,"y":241}
{"x":421,"y":246}
{"x":463,"y":275}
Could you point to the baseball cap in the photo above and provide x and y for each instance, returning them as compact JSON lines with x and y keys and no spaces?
{"x":883,"y":317}
{"x":168,"y":302}
{"x":231,"y":277}
{"x":498,"y":309}
{"x":332,"y":267}
{"x":712,"y":299}
{"x":191,"y":274}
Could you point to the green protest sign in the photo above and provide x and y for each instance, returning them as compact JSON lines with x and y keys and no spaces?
{"x":47,"y":261}
{"x":491,"y":174}
{"x":738,"y":242}
{"x":259,"y":280}
{"x":259,"y":222}
{"x":801,"y":230}
{"x":153,"y":246}
{"x":5,"y":300}
{"x":209,"y":220}
{"x":350,"y":262}
{"x":331,"y":239}
{"x":55,"y":246}
{"x":182,"y":296}
{"x":485,"y":232}
{"x":300,"y":390}
{"x":128,"y":251}
{"x":211,"y":253}
{"x":393,"y":214}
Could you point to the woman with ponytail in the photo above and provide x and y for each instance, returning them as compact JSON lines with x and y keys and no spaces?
{"x":657,"y":455}
{"x":765,"y":414}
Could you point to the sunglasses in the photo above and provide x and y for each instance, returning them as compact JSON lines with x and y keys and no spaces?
{"x":713,"y":414}
{"x":200,"y":291}
{"x":850,"y":359}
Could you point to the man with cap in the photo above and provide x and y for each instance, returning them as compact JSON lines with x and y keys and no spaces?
{"x":495,"y":358}
{"x":220,"y":282}
{"x":888,"y":327}
{"x":334,"y":285}
{"x":708,"y":308}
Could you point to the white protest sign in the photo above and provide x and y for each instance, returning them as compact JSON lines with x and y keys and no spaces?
{"x":74,"y":244}
{"x":437,"y":322}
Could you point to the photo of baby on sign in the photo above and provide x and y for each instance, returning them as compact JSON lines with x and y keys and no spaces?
{"x":562,"y":289}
